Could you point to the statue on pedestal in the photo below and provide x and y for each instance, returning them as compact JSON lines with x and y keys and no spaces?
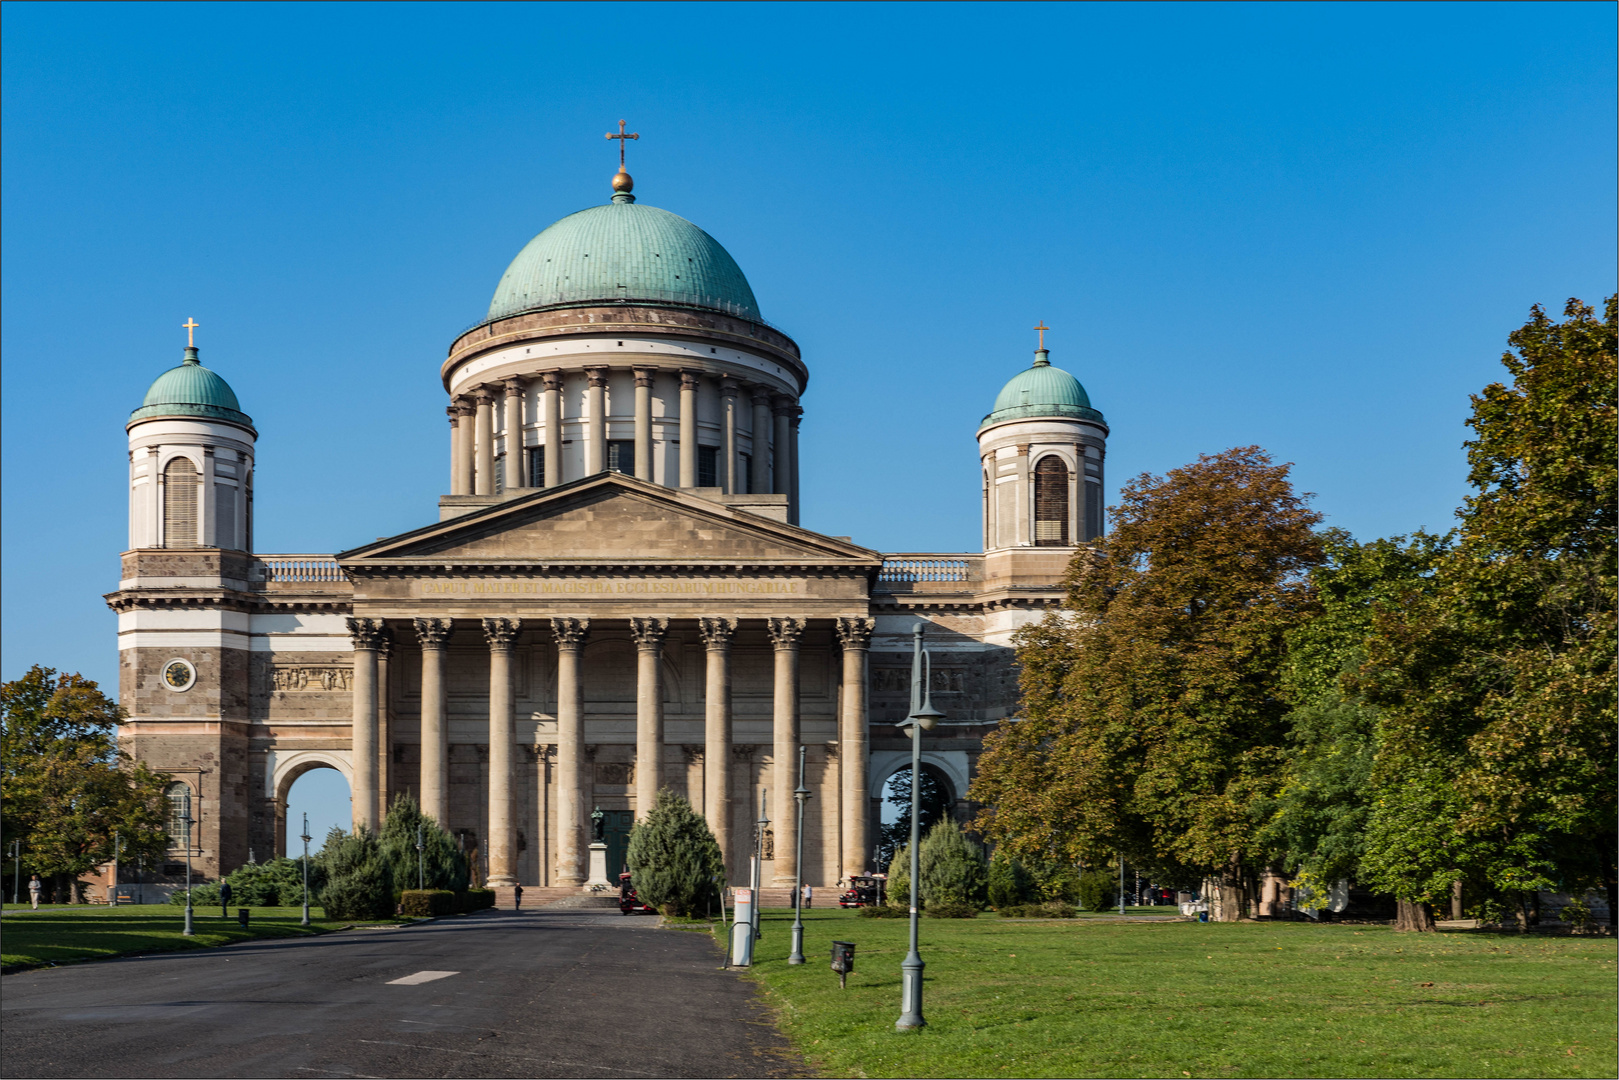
{"x":597,"y":826}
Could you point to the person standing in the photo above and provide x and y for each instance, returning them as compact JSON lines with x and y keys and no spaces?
{"x":224,"y":899}
{"x":518,"y":894}
{"x":34,"y":887}
{"x":809,"y":895}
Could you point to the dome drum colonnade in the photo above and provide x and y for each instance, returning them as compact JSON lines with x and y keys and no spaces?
{"x":372,"y":640}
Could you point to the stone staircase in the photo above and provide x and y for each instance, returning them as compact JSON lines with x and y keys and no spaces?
{"x":575,"y":896}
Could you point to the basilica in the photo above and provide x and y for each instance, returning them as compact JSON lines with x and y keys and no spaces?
{"x":613,"y":597}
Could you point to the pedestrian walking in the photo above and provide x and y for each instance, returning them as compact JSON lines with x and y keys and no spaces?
{"x":33,"y":890}
{"x":809,"y":895}
{"x":518,"y":893}
{"x":224,"y":899}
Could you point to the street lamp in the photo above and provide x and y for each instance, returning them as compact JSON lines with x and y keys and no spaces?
{"x":305,"y":839}
{"x":187,"y":822}
{"x":923,"y":717}
{"x":801,"y":795}
{"x":117,"y":853}
{"x":16,"y":883}
{"x":421,"y":859}
{"x":759,"y":828}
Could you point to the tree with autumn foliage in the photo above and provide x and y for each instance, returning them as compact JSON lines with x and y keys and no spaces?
{"x":1496,"y":758}
{"x":1152,"y":723}
{"x":67,"y":790}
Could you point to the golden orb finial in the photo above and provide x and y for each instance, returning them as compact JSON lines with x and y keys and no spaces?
{"x":622,"y":181}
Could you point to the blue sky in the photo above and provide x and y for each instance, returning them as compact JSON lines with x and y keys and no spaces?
{"x":1308,"y":227}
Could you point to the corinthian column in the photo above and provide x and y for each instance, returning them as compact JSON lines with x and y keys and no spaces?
{"x":648,"y":634}
{"x":516,"y":463}
{"x":434,"y":635}
{"x":596,"y":421}
{"x":729,"y":480}
{"x":784,"y":635}
{"x":688,"y":429}
{"x":465,"y":435}
{"x":455,"y":450}
{"x":855,"y":637}
{"x":366,"y":635}
{"x":717,"y":635}
{"x":643,"y":424}
{"x":483,"y":481}
{"x":759,"y":471}
{"x":501,"y":635}
{"x":570,"y":635}
{"x":551,"y":409}
{"x":782,"y":460}
{"x":792,"y":455}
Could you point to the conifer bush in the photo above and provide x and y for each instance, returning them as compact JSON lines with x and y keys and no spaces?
{"x":1098,"y":890}
{"x":953,"y":868}
{"x":1009,"y":882}
{"x":358,"y":882}
{"x":675,"y":862}
{"x":445,"y":866}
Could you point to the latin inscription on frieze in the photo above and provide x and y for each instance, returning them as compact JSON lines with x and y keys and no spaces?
{"x":599,"y":587}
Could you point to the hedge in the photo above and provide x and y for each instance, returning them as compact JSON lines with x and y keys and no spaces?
{"x":426,"y":903}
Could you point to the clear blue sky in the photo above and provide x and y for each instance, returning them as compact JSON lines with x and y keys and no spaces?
{"x":1308,"y":227}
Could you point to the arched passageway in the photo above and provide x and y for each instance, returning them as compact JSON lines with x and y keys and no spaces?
{"x":322,"y":790}
{"x":936,"y":798}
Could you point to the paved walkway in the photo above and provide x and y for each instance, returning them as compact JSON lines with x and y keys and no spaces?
{"x":534,"y":993}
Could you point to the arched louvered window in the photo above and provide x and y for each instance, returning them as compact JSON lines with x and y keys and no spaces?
{"x":1051,"y":502}
{"x":180,"y":504}
{"x":179,"y":798}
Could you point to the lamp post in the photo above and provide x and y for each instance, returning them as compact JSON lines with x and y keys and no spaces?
{"x":923,"y":717}
{"x":421,"y":859}
{"x":16,"y":882}
{"x":305,"y":838}
{"x":801,"y":796}
{"x":117,"y":852}
{"x":187,"y":822}
{"x":759,"y":828}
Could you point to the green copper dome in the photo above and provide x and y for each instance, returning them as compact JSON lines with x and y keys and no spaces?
{"x":1040,"y":391}
{"x":623,"y":251}
{"x":191,"y":390}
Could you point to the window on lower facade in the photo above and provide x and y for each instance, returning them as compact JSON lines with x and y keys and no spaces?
{"x":1051,"y":502}
{"x":536,"y":467}
{"x":179,"y":798}
{"x":500,"y":475}
{"x":708,"y":466}
{"x":621,"y":456}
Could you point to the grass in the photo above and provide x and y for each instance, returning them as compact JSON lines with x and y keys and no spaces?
{"x":66,"y":933}
{"x":1088,"y":997}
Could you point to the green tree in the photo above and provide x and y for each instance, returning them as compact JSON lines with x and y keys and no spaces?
{"x":675,"y":862}
{"x":1496,"y":755}
{"x":1009,"y":882}
{"x":66,"y":789}
{"x":952,"y":867}
{"x":1153,"y":721}
{"x":934,"y":803}
{"x":442,"y":865}
{"x":359,"y":884}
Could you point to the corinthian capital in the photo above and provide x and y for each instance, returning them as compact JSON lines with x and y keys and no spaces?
{"x":365,"y":633}
{"x":856,"y":633}
{"x":717,"y":632}
{"x":570,"y":633}
{"x":501,"y":633}
{"x":785,"y":631}
{"x":649,"y":632}
{"x":432,"y":633}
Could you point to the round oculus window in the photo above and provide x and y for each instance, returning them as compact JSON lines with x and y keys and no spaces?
{"x":179,"y":675}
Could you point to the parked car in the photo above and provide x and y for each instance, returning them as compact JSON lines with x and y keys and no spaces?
{"x":628,"y":902}
{"x":863,"y":891}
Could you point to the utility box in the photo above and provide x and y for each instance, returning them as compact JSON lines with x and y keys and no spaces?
{"x":843,"y":961}
{"x":742,"y":928}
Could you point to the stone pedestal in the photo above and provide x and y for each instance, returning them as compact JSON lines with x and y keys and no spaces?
{"x":598,"y":866}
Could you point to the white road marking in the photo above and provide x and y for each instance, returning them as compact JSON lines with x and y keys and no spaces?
{"x":421,"y":977}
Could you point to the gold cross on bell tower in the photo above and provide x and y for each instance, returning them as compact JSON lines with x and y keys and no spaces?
{"x":623,"y":141}
{"x":1042,"y":328}
{"x":190,"y":327}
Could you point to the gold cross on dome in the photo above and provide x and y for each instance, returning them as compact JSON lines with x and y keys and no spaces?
{"x":191,"y":328}
{"x":1042,"y":328}
{"x":623,"y":142}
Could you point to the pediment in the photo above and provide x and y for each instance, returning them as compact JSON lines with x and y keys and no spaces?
{"x":609,"y":519}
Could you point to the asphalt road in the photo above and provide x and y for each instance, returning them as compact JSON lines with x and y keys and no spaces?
{"x":541,"y":994}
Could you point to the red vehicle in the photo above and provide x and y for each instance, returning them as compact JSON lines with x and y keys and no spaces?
{"x":628,"y":902}
{"x":863,"y":891}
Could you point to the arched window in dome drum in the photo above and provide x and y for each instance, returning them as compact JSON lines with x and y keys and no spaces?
{"x":1051,"y":502}
{"x":180,"y":481}
{"x":178,"y":795}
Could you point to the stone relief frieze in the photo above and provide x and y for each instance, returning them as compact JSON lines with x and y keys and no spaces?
{"x":311,"y":677}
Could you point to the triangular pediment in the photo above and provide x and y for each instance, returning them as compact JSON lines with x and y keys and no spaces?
{"x":610,"y":519}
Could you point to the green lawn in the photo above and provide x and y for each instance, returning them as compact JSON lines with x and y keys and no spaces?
{"x":1094,"y":998}
{"x":68,"y":932}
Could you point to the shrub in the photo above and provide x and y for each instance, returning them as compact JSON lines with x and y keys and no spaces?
{"x":1051,"y":909}
{"x":358,"y":883}
{"x":1577,"y":913}
{"x":201,"y":896}
{"x":277,"y":883}
{"x":899,"y":880}
{"x":426,"y":903}
{"x":440,"y":865}
{"x":884,"y":911}
{"x":675,"y":862}
{"x":1009,"y":882}
{"x":475,"y":899}
{"x":1098,"y":890}
{"x":952,"y":867}
{"x":947,"y":909}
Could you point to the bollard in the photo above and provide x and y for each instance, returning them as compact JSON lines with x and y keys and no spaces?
{"x":843,"y":961}
{"x":742,"y":929}
{"x":241,"y":916}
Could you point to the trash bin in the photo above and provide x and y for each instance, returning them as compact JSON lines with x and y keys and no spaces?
{"x":241,"y":916}
{"x":843,"y":961}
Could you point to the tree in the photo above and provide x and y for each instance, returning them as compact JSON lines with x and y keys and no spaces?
{"x":935,"y":806}
{"x":952,"y":867}
{"x":1009,"y":882}
{"x":1496,"y":757}
{"x":67,"y":790}
{"x":1154,"y":724}
{"x":442,"y":865}
{"x":359,"y":884}
{"x":675,"y":862}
